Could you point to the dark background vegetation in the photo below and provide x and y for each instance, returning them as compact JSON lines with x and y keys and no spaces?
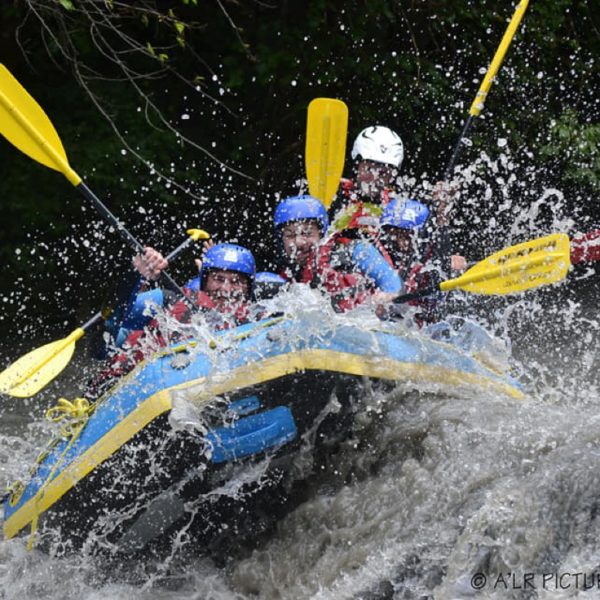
{"x":192,"y":113}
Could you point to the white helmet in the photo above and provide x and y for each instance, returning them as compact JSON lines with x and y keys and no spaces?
{"x":379,"y":144}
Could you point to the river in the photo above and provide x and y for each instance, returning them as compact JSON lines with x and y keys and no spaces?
{"x":436,"y":495}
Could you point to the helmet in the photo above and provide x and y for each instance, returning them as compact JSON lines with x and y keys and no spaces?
{"x":268,"y":277}
{"x":267,"y":285}
{"x":404,"y":214}
{"x":299,"y":208}
{"x":229,"y":257}
{"x":379,"y":144}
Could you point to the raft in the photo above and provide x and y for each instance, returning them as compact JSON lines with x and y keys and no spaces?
{"x":184,"y":445}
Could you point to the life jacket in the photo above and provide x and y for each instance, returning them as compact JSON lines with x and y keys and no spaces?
{"x":416,"y":278}
{"x":358,"y":214}
{"x":585,"y":247}
{"x":142,"y":343}
{"x":330,"y":268}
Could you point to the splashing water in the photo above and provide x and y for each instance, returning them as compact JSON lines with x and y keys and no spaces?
{"x":430,"y":488}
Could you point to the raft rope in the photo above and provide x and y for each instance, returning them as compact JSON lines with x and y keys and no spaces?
{"x":75,"y":415}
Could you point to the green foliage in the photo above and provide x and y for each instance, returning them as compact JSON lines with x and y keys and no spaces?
{"x":244,"y":78}
{"x":577,"y":146}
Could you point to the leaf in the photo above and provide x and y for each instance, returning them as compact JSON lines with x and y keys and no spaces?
{"x":67,"y":4}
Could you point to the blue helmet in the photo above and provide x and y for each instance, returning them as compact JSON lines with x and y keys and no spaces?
{"x":404,"y":214}
{"x":267,"y":285}
{"x":228,"y":257}
{"x":300,"y":208}
{"x":268,"y":277}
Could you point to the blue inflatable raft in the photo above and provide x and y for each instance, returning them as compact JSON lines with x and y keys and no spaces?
{"x":156,"y":456}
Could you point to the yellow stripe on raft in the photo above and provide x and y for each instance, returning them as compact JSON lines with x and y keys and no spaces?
{"x":205,"y":388}
{"x":340,"y":362}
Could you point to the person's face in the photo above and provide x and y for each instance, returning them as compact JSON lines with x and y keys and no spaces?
{"x":226,"y":288}
{"x":402,"y":239}
{"x":373,"y":177}
{"x":300,"y":238}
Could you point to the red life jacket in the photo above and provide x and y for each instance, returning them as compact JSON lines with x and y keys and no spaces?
{"x":585,"y":247}
{"x":347,"y":286}
{"x":418,"y":279}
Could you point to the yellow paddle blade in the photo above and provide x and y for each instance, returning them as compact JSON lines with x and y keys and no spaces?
{"x":38,"y":368}
{"x":326,"y":132}
{"x":528,"y":265}
{"x":25,"y":125}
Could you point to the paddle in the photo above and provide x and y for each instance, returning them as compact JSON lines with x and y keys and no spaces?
{"x":32,"y":372}
{"x":26,"y":126}
{"x":326,"y":132}
{"x":486,"y":84}
{"x":515,"y":269}
{"x":194,"y":235}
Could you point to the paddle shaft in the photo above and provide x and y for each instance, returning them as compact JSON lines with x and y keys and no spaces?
{"x":458,"y":147}
{"x":416,"y":295}
{"x":179,"y":249}
{"x":486,"y":84}
{"x":171,"y":256}
{"x":123,"y":231}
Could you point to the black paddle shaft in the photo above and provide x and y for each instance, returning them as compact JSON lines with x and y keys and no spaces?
{"x":457,"y":149}
{"x":100,"y":315}
{"x":125,"y":234}
{"x":416,"y":295}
